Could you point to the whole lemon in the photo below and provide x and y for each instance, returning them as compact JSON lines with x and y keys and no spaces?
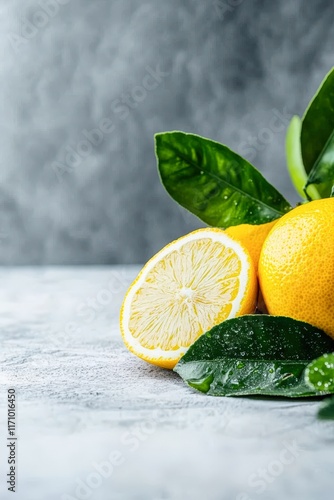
{"x":296,"y":266}
{"x":251,"y":237}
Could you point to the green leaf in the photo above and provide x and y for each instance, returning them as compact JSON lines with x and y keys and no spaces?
{"x":319,"y":374}
{"x":326,"y":411}
{"x":294,"y":159}
{"x":214,"y":183}
{"x":322,"y":173}
{"x":317,"y":138}
{"x":254,"y":354}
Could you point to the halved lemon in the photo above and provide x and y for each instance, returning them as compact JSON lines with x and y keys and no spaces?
{"x":188,"y":287}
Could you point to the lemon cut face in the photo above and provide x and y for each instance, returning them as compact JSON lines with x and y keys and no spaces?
{"x":191,"y":285}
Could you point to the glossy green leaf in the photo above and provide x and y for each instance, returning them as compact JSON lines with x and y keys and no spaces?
{"x":322,"y":173}
{"x":319,"y":374}
{"x":294,"y":159}
{"x":214,"y":183}
{"x":326,"y":411}
{"x":254,"y":354}
{"x":317,"y":138}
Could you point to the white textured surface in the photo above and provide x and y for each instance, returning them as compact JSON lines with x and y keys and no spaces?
{"x":82,"y":396}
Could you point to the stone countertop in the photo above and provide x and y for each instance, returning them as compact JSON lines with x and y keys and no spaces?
{"x":94,"y":422}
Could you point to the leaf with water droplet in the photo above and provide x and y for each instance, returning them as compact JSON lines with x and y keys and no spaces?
{"x":211,"y":181}
{"x":266,"y":355}
{"x":319,"y":374}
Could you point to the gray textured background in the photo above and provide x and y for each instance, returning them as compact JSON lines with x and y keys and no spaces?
{"x":232,"y":65}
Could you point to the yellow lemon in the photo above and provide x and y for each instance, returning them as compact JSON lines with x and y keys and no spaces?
{"x":191,"y":285}
{"x":251,"y":237}
{"x":296,"y":267}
